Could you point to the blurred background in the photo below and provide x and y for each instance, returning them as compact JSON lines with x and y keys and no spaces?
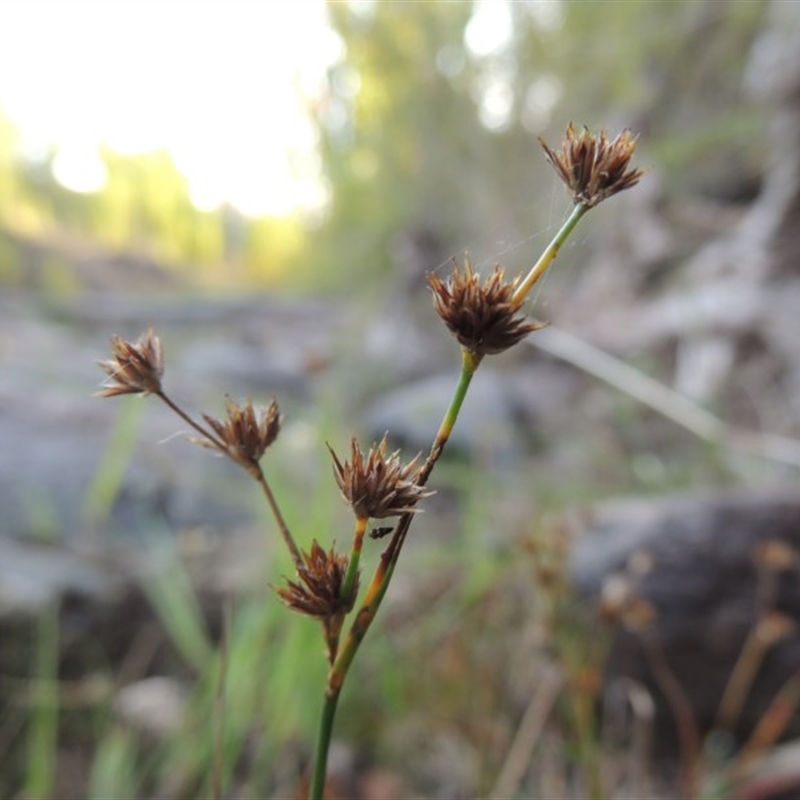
{"x":267,"y":184}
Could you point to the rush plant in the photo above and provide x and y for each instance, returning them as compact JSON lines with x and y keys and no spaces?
{"x":486,"y":317}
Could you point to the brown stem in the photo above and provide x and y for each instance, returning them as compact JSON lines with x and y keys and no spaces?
{"x":771,"y":726}
{"x":682,"y":711}
{"x":741,"y":679}
{"x":206,"y":434}
{"x":255,"y":470}
{"x":752,"y":653}
{"x":251,"y":467}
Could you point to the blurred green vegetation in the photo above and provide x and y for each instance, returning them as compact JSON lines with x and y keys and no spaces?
{"x":144,"y":209}
{"x":423,"y":140}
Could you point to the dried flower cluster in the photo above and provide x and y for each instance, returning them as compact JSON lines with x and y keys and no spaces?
{"x":377,"y":485}
{"x":484,"y":317}
{"x":620,"y":601}
{"x":319,"y":592}
{"x":246,"y":432}
{"x":592,"y":167}
{"x":135,"y":368}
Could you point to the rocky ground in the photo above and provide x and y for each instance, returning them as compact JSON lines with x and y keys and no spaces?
{"x":88,"y":485}
{"x":697,"y":577}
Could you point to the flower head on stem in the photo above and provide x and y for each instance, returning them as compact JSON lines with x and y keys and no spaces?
{"x":592,"y":166}
{"x":246,"y":432}
{"x":484,"y":317}
{"x":136,"y":368}
{"x":377,"y":485}
{"x":319,"y":594}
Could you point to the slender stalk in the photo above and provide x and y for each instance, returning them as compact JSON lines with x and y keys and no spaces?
{"x":771,"y":726}
{"x":682,"y":711}
{"x":255,"y":470}
{"x":380,"y":580}
{"x":376,"y":590}
{"x":317,"y":789}
{"x":355,"y":556}
{"x":741,"y":679}
{"x":383,"y":574}
{"x":551,"y":251}
{"x":469,"y":364}
{"x":366,"y":614}
{"x":206,"y":434}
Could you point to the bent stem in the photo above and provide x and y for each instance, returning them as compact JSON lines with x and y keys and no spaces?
{"x":380,"y":581}
{"x":252,"y":468}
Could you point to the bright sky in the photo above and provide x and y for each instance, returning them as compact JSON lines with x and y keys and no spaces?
{"x":219,"y":83}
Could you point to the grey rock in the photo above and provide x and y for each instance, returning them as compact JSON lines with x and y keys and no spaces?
{"x":694,"y":560}
{"x":242,"y":367}
{"x":486,"y":426}
{"x":504,"y":417}
{"x":34,"y":575}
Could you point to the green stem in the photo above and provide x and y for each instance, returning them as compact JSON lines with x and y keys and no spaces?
{"x":351,"y":575}
{"x":551,"y":251}
{"x":380,"y":580}
{"x":323,"y":746}
{"x":470,"y":362}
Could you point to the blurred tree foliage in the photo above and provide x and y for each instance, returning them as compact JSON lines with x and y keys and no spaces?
{"x":422,"y":137}
{"x":143,"y":208}
{"x":428,"y":141}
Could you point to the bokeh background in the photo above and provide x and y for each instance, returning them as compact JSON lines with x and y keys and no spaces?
{"x":267,"y":184}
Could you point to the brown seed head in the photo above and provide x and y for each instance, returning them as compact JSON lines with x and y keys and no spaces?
{"x":247,"y":432}
{"x":377,"y":485}
{"x":318,"y":593}
{"x":483,"y":317}
{"x":592,"y":167}
{"x":135,"y":368}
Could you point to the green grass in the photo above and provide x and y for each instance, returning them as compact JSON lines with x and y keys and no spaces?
{"x":439,"y":664}
{"x":43,"y":724}
{"x":108,"y":476}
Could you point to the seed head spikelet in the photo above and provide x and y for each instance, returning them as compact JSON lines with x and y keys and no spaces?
{"x":484,"y":317}
{"x":592,"y":166}
{"x":136,"y":368}
{"x":377,"y":485}
{"x":318,"y":593}
{"x":246,"y":432}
